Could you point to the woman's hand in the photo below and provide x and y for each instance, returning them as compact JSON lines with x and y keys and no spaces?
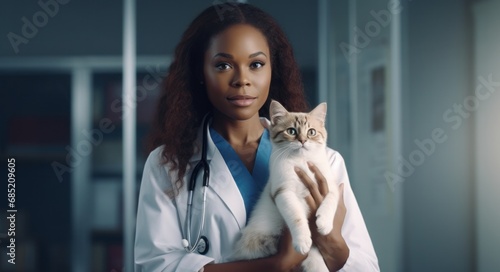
{"x":287,"y":257}
{"x":332,"y":246}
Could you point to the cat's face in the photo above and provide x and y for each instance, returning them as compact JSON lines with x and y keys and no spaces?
{"x":296,"y":131}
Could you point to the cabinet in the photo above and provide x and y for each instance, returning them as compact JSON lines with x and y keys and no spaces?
{"x":35,"y":125}
{"x":106,"y":190}
{"x":52,"y":114}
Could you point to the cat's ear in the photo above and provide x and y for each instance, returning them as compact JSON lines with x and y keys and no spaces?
{"x":319,"y":112}
{"x":265,"y":122}
{"x":276,"y":112}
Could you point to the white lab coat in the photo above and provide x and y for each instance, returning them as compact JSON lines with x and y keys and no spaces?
{"x":158,"y":245}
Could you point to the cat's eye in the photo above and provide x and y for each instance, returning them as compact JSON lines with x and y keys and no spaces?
{"x":291,"y":131}
{"x":311,"y":132}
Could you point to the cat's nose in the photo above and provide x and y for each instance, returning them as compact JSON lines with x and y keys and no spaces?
{"x":302,"y":141}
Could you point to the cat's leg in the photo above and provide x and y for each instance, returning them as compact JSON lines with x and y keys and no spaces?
{"x":294,"y":212}
{"x":253,"y":245}
{"x":314,"y":262}
{"x":261,"y":235}
{"x":326,"y":211}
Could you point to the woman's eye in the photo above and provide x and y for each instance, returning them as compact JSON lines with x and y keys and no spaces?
{"x":291,"y":131}
{"x":257,"y":65}
{"x":311,"y":132}
{"x":223,"y":66}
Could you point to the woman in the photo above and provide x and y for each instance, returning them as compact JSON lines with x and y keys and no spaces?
{"x":231,"y":61}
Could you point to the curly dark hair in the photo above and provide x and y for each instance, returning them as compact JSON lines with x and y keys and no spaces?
{"x":184,"y":101}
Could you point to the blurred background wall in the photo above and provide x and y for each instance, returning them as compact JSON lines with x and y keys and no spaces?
{"x":413,"y":111}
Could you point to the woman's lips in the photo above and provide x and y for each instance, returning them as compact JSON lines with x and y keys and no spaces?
{"x":241,"y":100}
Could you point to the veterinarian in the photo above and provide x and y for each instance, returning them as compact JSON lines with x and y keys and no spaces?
{"x":210,"y":153}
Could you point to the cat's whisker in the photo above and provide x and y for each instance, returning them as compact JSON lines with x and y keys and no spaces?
{"x":282,"y":151}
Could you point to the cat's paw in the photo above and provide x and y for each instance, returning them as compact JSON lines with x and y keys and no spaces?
{"x":302,"y":244}
{"x":324,"y":224}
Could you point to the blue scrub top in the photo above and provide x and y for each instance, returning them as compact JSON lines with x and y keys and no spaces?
{"x":249,"y":184}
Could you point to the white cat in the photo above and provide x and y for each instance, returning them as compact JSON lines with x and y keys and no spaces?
{"x":297,"y":138}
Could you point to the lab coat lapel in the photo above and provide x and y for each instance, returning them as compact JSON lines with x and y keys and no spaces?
{"x":221,"y":180}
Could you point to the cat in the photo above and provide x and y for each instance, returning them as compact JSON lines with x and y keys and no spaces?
{"x":297,"y":138}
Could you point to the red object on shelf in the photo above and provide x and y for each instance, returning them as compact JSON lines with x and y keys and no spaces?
{"x":38,"y":130}
{"x":115,"y":258}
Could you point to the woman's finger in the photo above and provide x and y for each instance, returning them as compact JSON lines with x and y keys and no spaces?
{"x":312,"y":206}
{"x":320,"y":179}
{"x":310,"y":185}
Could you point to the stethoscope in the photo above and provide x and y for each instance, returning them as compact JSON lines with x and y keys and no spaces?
{"x":201,"y":243}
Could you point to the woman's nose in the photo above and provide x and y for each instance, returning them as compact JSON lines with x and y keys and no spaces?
{"x":240,"y":79}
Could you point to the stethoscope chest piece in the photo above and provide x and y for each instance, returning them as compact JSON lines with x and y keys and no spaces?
{"x":203,"y":245}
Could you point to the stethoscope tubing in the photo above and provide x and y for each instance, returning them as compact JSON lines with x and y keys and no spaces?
{"x":192,"y":248}
{"x":206,"y":176}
